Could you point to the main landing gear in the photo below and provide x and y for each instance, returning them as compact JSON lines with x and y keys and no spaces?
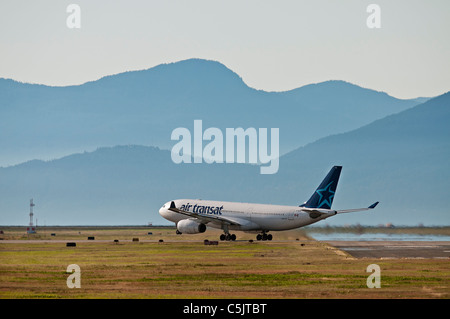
{"x":232,"y":237}
{"x":264,"y":236}
{"x":228,"y":237}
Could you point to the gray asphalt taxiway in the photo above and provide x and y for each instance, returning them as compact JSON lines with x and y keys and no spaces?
{"x":394,"y":249}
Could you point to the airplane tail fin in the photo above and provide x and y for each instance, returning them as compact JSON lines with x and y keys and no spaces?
{"x":324,"y":194}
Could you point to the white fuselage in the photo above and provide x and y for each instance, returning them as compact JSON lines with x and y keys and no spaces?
{"x":250,"y":217}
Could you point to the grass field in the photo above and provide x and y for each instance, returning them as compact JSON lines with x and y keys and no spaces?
{"x":183,"y":267}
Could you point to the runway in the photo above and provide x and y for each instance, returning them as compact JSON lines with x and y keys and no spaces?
{"x":394,"y":249}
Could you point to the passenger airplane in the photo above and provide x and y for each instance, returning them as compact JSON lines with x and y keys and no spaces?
{"x":192,"y":215}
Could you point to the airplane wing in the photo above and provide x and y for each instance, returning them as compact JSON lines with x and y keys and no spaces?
{"x":317,"y":212}
{"x":357,"y":209}
{"x":204,"y":218}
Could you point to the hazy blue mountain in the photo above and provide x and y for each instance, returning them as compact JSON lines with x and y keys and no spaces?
{"x":401,"y":160}
{"x":118,"y":185}
{"x":143,"y":107}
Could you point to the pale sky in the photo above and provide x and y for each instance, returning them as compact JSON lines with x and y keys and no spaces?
{"x":273,"y":45}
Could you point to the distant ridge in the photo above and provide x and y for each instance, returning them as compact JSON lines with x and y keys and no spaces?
{"x":143,"y":107}
{"x":204,"y":71}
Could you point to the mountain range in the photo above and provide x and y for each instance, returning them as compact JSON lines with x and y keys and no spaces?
{"x":144,"y":107}
{"x":399,"y":157}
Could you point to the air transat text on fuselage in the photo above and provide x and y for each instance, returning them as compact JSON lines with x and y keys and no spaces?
{"x":199,"y":209}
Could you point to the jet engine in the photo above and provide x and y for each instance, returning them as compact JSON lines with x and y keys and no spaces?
{"x":189,"y":226}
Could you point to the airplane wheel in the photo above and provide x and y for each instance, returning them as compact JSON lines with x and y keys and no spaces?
{"x":222,"y":237}
{"x":258,"y":237}
{"x":269,"y":237}
{"x":233,"y":237}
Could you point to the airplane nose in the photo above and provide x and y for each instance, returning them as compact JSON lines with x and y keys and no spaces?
{"x":163,"y":210}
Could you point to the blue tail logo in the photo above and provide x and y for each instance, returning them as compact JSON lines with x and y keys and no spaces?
{"x":324,"y":194}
